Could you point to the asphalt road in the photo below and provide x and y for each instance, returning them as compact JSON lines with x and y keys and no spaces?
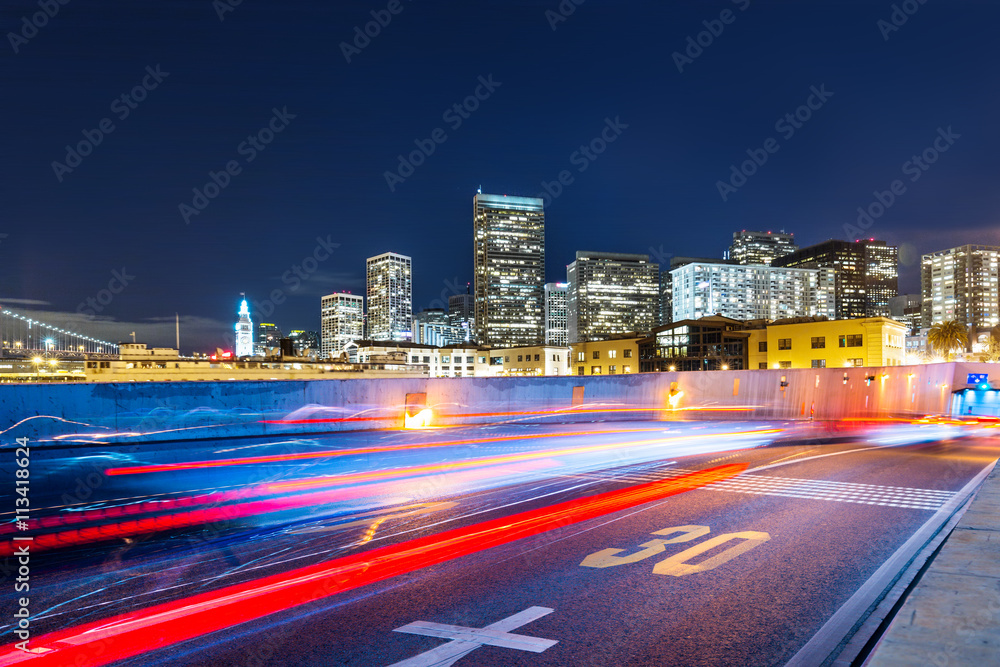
{"x":754,"y":567}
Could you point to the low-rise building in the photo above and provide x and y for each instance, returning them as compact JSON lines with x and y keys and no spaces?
{"x":812,"y":343}
{"x":530,"y":361}
{"x":710,"y":343}
{"x":719,"y":343}
{"x":451,"y":361}
{"x":616,"y":356}
{"x":139,"y":364}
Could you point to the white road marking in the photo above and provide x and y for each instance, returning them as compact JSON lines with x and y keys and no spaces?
{"x":465,"y":640}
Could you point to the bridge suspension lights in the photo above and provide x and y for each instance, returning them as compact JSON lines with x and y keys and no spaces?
{"x":20,"y":334}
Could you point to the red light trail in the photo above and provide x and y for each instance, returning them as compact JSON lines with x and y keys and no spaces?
{"x":164,"y":625}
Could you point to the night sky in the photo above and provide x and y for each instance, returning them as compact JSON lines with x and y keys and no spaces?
{"x":887,"y":93}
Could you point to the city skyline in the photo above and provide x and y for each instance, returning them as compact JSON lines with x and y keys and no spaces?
{"x":867,"y":149}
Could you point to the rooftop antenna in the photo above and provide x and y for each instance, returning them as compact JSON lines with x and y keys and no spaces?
{"x":133,"y":336}
{"x":480,"y":190}
{"x":178,"y":320}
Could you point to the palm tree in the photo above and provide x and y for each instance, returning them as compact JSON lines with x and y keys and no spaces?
{"x":946,"y":337}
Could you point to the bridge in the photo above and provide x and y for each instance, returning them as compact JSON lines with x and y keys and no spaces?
{"x":25,"y":337}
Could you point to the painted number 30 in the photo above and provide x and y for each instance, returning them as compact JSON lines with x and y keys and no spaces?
{"x":677,"y":565}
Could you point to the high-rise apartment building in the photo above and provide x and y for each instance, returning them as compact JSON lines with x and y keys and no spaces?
{"x":760,"y":247}
{"x":867,"y":273}
{"x":433,"y":326}
{"x":390,"y":297}
{"x":961,"y":284}
{"x":610,"y":293}
{"x":751,"y":292}
{"x":342,"y":321}
{"x":556,"y":332}
{"x":666,"y":283}
{"x":509,"y":253}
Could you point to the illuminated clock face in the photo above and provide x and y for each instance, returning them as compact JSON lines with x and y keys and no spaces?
{"x":244,"y":339}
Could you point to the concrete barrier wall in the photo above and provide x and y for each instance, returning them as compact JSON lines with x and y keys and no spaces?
{"x":194,"y":410}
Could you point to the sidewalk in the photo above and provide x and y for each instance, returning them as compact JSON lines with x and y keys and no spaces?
{"x":952,"y":617}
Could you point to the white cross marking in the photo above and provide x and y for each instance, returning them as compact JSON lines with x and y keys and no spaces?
{"x":465,"y":640}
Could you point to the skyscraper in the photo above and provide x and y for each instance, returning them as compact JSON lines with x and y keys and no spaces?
{"x":509,"y":251}
{"x":556,"y":332}
{"x":462,"y":313}
{"x":342,"y":321}
{"x":961,"y":284}
{"x":751,"y":292}
{"x":610,"y":293}
{"x":244,"y":332}
{"x":760,"y":247}
{"x":390,"y":297}
{"x":867,"y":273}
{"x":268,"y":337}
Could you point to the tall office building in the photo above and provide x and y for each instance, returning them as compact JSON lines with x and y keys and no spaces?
{"x":390,"y":297}
{"x":304,"y":340}
{"x":462,"y":313}
{"x":610,"y":293}
{"x":555,"y":314}
{"x":268,"y":337}
{"x":867,"y":273}
{"x":244,"y":332}
{"x":961,"y":284}
{"x":760,"y":247}
{"x":509,"y":249}
{"x":342,"y":321}
{"x":906,"y":308}
{"x":751,"y":292}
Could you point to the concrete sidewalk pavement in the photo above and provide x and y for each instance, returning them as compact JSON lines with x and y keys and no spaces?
{"x":952,"y":616}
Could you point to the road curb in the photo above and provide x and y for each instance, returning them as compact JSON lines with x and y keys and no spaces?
{"x":952,"y":616}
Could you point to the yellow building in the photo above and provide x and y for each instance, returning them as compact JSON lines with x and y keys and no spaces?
{"x":871,"y":341}
{"x":606,"y":357}
{"x":530,"y":361}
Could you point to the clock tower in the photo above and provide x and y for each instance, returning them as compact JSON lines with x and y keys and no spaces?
{"x":244,"y":332}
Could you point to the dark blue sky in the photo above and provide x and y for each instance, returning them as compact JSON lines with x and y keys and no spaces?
{"x":654,"y":189}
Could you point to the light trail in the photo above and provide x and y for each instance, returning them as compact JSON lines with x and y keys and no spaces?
{"x":298,"y":485}
{"x":163,"y":625}
{"x":232,"y":511}
{"x":301,"y":456}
